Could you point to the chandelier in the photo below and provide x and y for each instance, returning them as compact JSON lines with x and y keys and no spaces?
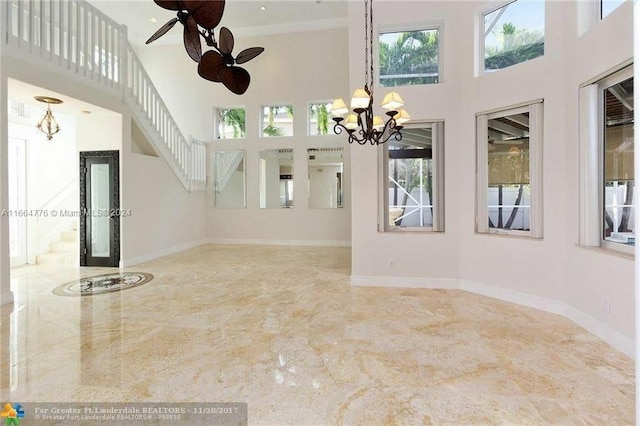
{"x":361,"y":125}
{"x":48,"y":124}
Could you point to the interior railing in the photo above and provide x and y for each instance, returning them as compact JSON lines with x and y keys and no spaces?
{"x":76,"y":38}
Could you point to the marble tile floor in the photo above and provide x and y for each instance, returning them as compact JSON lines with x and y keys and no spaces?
{"x":281,"y":329}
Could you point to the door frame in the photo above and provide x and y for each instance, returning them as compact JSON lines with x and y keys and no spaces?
{"x":114,"y":194}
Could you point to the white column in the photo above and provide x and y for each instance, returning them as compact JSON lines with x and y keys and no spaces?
{"x":6,"y":296}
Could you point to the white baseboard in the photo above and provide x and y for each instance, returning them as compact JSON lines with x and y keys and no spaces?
{"x":405,"y":282}
{"x":602,"y":331}
{"x":6,"y":298}
{"x":301,"y":243}
{"x":125,"y":263}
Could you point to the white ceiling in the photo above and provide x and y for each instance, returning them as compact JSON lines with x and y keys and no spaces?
{"x":24,"y":93}
{"x":242,"y":17}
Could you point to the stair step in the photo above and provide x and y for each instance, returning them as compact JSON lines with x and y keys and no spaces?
{"x":63,"y":247}
{"x":57,"y":259}
{"x":69,"y":236}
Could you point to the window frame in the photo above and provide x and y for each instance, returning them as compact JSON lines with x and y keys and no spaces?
{"x":592,"y":181}
{"x":216,"y":123}
{"x":438,"y":148}
{"x":536,"y":141}
{"x":436,"y":24}
{"x":480,"y":63}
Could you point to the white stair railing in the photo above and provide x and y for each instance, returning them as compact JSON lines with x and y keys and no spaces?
{"x":74,"y":37}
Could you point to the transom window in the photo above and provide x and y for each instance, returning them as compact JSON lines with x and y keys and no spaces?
{"x":513,"y":33}
{"x":277,"y":120}
{"x":231,"y":123}
{"x":409,"y":57}
{"x":320,"y":118}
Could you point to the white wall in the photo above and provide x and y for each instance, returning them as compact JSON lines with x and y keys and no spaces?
{"x":553,"y":268}
{"x":295,"y":69}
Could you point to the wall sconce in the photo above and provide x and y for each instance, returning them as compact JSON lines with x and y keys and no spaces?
{"x":48,"y":124}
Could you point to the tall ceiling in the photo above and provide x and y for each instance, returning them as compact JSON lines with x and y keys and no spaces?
{"x":243,"y":17}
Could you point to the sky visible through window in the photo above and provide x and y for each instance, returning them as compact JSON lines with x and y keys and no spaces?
{"x":608,"y":6}
{"x":527,"y":14}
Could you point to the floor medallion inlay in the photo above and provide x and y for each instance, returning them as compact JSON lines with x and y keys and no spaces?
{"x":105,"y":283}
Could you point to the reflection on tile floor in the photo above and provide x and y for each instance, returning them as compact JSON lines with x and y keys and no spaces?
{"x":281,"y":329}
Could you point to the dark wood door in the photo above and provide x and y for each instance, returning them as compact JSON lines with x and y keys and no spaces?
{"x":100,"y":208}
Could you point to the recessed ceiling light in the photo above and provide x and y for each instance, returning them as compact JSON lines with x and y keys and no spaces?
{"x":153,"y":20}
{"x":85,"y":112}
{"x":263,"y":7}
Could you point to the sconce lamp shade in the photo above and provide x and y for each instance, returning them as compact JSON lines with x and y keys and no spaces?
{"x":360,"y":99}
{"x":392,"y":101}
{"x":402,"y":117}
{"x":378,"y":124}
{"x":339,"y":108}
{"x":351,"y":122}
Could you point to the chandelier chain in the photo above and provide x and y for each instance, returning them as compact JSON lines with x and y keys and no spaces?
{"x":366,"y":42}
{"x":371,"y":43}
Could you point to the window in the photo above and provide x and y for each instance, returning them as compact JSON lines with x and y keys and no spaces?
{"x":413,"y":179}
{"x":320,"y":118}
{"x":277,"y":121}
{"x":276,"y":178}
{"x":231,"y":123}
{"x":606,"y":163}
{"x":513,"y":33}
{"x":409,"y":57}
{"x":229,"y":179}
{"x":608,"y":6}
{"x":510,"y":171}
{"x":618,"y":143}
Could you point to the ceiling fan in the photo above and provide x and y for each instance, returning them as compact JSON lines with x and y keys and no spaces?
{"x":199,"y":19}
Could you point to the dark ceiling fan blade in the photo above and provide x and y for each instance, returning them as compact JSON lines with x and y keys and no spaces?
{"x":207,"y":13}
{"x":192,"y":39}
{"x":210,"y":66}
{"x":235,"y":79}
{"x":248,"y":54}
{"x":162,"y":31}
{"x":226,"y":40}
{"x":171,"y":4}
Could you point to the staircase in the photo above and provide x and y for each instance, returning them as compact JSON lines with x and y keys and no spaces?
{"x":74,"y":38}
{"x":62,"y":252}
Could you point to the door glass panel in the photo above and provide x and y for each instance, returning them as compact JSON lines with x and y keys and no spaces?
{"x":100,"y":243}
